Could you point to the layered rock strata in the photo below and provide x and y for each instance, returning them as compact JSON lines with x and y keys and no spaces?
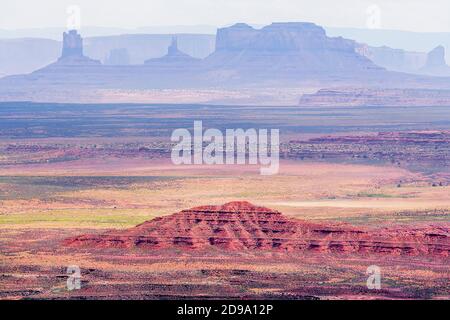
{"x":240,"y":226}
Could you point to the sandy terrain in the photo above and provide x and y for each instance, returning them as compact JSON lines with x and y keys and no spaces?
{"x":33,"y":226}
{"x":111,"y":174}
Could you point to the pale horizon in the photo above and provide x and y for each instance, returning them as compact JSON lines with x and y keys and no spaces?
{"x":403,"y":15}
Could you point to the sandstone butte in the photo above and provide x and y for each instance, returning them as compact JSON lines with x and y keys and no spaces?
{"x":242,"y":226}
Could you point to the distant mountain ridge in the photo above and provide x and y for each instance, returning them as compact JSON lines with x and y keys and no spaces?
{"x":280,"y":51}
{"x":386,"y":48}
{"x":280,"y":55}
{"x":25,"y":55}
{"x":408,"y":41}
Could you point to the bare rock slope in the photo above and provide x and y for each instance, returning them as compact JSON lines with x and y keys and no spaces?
{"x":243,"y":226}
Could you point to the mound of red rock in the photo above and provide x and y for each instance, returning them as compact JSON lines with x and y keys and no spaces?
{"x":243,"y":226}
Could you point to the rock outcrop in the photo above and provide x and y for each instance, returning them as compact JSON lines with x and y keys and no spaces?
{"x":436,"y":64}
{"x":173,"y":57}
{"x":142,"y":47}
{"x":292,"y":49}
{"x":238,"y":226}
{"x":394,"y":59}
{"x":436,"y":57}
{"x":281,"y":55}
{"x":72,"y":44}
{"x":72,"y":51}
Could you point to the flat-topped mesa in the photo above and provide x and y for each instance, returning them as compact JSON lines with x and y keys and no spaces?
{"x":241,"y":226}
{"x":279,"y":37}
{"x":293,"y":49}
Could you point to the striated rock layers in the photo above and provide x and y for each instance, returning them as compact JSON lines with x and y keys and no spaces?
{"x":239,"y":226}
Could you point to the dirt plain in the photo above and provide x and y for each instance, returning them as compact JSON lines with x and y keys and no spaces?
{"x":53,"y":188}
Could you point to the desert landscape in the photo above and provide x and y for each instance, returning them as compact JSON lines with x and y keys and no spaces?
{"x":102,"y":197}
{"x":224,"y":150}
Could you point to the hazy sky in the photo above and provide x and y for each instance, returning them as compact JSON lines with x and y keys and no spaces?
{"x":413,"y":15}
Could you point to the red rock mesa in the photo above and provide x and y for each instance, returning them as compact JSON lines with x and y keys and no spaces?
{"x":240,"y":226}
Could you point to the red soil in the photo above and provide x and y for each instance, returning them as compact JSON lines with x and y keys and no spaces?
{"x":243,"y":226}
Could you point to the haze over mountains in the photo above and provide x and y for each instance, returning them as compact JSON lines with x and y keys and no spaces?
{"x":24,"y":51}
{"x":92,"y":31}
{"x":284,"y":50}
{"x":25,"y":55}
{"x":280,"y":55}
{"x":397,"y":39}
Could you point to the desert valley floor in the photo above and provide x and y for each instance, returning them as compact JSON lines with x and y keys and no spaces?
{"x":108,"y":170}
